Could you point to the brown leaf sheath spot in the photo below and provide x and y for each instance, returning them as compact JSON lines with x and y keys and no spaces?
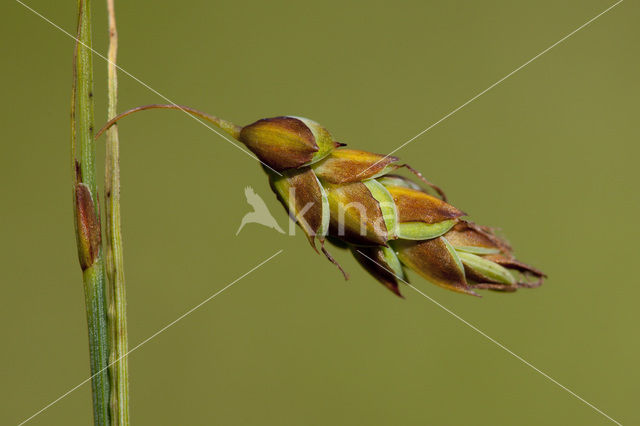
{"x":88,"y":224}
{"x":280,"y":142}
{"x":78,"y":171}
{"x":418,"y":206}
{"x":356,"y":216}
{"x":351,"y":165}
{"x":433,"y":261}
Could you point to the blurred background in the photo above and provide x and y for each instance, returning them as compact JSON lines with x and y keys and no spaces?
{"x":550,"y":156}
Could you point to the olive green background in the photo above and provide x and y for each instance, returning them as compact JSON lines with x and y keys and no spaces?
{"x":550,"y":156}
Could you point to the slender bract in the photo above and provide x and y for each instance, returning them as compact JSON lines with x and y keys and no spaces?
{"x":118,"y":360}
{"x":87,"y":214}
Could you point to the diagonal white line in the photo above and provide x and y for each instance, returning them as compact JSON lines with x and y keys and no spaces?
{"x":145,"y":84}
{"x":495,"y":84}
{"x":172,"y":323}
{"x":500,"y":345}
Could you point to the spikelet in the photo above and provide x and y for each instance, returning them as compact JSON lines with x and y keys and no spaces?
{"x":354,"y":199}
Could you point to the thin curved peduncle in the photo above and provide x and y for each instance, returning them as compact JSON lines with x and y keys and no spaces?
{"x":225,"y":125}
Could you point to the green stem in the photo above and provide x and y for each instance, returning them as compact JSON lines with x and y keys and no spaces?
{"x":114,"y":258}
{"x":95,"y":302}
{"x":88,"y":215}
{"x":85,"y":118}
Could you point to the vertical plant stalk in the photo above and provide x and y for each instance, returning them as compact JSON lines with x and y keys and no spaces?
{"x":87,"y":214}
{"x":114,"y":258}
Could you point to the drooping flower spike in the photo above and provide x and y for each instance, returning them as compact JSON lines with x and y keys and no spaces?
{"x":354,"y":199}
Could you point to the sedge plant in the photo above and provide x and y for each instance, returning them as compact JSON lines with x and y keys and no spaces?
{"x":348,"y":198}
{"x":102,"y":267}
